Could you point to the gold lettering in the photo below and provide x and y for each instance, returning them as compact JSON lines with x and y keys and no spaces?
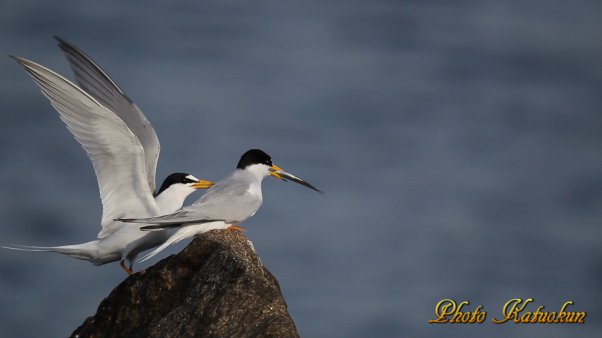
{"x":448,"y":311}
{"x":526,"y":317}
{"x":449,"y":308}
{"x":570,"y":317}
{"x":511,"y":310}
{"x":480,"y":315}
{"x":580,"y":317}
{"x":537,"y":315}
{"x":458,"y":315}
{"x":542,"y":317}
{"x":561,"y":317}
{"x":443,"y":309}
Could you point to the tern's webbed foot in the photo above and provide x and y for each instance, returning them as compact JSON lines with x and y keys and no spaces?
{"x":125,"y":268}
{"x":236,"y":228}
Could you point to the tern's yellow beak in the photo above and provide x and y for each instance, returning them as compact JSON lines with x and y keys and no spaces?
{"x":203,"y":184}
{"x":283,"y":175}
{"x":273,"y":172}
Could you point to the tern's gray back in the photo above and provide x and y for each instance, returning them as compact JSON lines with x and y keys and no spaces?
{"x":231,"y":199}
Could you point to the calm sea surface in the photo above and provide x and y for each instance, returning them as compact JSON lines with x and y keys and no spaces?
{"x":459,"y":145}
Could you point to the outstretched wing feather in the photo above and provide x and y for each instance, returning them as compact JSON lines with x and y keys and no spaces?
{"x":95,"y":81}
{"x":116,"y":153}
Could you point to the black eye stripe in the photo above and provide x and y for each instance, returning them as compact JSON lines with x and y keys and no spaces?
{"x":175,"y":178}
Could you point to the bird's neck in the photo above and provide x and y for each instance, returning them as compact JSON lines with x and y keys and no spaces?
{"x":252,"y":173}
{"x":171,"y":199}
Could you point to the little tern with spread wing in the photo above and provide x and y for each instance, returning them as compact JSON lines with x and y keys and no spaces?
{"x":228,"y":203}
{"x":124,"y":150}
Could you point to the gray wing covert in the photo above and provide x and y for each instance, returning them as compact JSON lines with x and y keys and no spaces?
{"x":93,"y":80}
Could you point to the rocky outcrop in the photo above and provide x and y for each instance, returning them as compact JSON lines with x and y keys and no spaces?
{"x":215,"y":287}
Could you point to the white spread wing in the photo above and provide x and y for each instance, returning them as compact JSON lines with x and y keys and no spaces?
{"x":115,"y":152}
{"x":92,"y":79}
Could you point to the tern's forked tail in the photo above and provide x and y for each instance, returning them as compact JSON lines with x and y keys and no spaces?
{"x":186,"y":232}
{"x":86,"y":251}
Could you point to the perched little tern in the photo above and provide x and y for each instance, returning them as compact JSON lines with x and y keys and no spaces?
{"x":124,"y":150}
{"x":228,"y":203}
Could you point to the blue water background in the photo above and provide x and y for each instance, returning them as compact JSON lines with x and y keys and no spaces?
{"x":459,"y":145}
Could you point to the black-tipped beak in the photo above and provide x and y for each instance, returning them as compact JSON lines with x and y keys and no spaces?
{"x":275,"y":170}
{"x":283,"y":175}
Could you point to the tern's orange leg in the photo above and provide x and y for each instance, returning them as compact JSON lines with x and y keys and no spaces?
{"x":236,"y":228}
{"x":128,"y":270}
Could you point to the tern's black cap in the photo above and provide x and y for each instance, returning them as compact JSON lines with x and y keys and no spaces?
{"x":254,"y":156}
{"x":174,"y":179}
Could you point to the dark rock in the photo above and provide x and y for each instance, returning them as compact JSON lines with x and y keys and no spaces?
{"x":215,"y":287}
